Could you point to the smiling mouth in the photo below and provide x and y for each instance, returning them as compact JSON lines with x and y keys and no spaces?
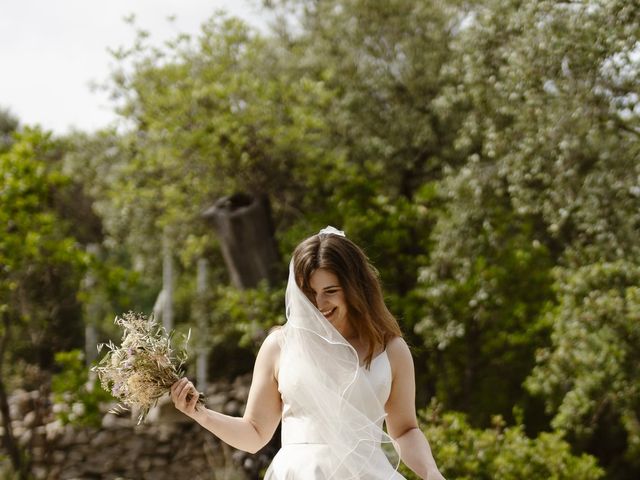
{"x":328,"y":313}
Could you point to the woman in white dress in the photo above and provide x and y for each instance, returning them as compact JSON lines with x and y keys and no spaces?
{"x":334,"y":374}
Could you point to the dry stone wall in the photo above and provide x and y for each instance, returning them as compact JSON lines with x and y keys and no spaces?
{"x":168,"y":446}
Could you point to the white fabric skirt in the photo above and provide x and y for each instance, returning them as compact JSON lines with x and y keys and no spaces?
{"x":313,"y":461}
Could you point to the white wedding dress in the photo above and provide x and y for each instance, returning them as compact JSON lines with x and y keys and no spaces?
{"x":333,"y":408}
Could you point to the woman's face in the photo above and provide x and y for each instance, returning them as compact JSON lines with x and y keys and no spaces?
{"x":329,"y":297}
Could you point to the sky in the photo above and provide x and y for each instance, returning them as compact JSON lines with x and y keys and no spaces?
{"x":51,"y":51}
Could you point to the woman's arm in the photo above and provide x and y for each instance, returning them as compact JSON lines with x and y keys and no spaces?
{"x":402,"y":423}
{"x":255,"y":428}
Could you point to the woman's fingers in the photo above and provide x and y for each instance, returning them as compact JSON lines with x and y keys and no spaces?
{"x":175,"y":388}
{"x":185,"y":396}
{"x":178,"y":383}
{"x":186,"y":388}
{"x":193,"y":400}
{"x":180,"y":391}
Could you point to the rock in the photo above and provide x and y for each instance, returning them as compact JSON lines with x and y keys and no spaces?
{"x":232,"y":407}
{"x":165,"y":432}
{"x":238,"y":456}
{"x":71,"y":474}
{"x":111,"y":421}
{"x":241,"y":393}
{"x":101,"y":439}
{"x":122,"y":450}
{"x":155,"y":474}
{"x":59,"y":457}
{"x":17,"y":428}
{"x":37,"y":454}
{"x":159,"y":462}
{"x":78,"y":409}
{"x":54,"y":430}
{"x":39,"y":436}
{"x":20,"y":404}
{"x":144,"y":464}
{"x":82,"y":437}
{"x":25,"y":437}
{"x":216,"y":401}
{"x":54,"y":472}
{"x":30,"y":420}
{"x":240,"y":381}
{"x":39,"y":472}
{"x":68,"y":437}
{"x":166,"y":412}
{"x":249,"y":463}
{"x":136,"y":446}
{"x":75,"y":457}
{"x":97,"y":464}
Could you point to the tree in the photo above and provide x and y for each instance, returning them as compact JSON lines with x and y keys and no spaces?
{"x":8,"y":125}
{"x":41,"y":265}
{"x":211,"y":117}
{"x":588,"y":375}
{"x":551,"y":131}
{"x":486,"y":285}
{"x":41,"y":261}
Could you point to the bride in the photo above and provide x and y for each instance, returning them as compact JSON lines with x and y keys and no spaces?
{"x":334,"y":374}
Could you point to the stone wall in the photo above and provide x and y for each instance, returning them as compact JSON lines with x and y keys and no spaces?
{"x":168,"y":446}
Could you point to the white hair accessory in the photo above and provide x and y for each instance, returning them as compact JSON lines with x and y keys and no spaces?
{"x":329,"y":230}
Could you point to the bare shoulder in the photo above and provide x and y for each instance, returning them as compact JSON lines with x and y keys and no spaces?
{"x":269,"y":354}
{"x":399,"y":354}
{"x":271,"y":344}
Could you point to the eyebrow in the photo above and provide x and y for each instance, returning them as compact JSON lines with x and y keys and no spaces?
{"x":328,"y":287}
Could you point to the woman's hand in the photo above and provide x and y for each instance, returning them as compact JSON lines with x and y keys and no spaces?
{"x":184,"y":396}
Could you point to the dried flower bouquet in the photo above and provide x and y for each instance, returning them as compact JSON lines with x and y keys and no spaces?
{"x":143,"y":368}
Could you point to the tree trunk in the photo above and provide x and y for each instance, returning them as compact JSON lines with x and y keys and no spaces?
{"x":245,"y":229}
{"x":202,"y":373}
{"x":9,"y":440}
{"x":167,"y":282}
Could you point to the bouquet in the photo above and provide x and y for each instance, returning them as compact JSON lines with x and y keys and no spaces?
{"x":143,"y":368}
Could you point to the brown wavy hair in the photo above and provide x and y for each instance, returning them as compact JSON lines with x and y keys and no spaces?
{"x":359,"y":280}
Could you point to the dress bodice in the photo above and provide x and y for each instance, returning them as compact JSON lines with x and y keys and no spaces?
{"x":297,"y":427}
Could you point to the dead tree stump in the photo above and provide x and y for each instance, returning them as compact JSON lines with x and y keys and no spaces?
{"x":245,"y":229}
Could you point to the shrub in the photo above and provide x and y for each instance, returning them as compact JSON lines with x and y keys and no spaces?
{"x":500,"y":452}
{"x":77,"y":395}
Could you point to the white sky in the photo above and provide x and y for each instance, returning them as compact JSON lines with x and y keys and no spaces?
{"x":51,"y":50}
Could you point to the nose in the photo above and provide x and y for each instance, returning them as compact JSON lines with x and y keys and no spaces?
{"x":320,"y":298}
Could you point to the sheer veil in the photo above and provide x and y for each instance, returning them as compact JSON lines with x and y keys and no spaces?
{"x":332,"y":389}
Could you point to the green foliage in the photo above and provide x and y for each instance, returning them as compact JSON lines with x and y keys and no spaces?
{"x":487,"y":282}
{"x":371,"y":57}
{"x":8,"y":125}
{"x":543,"y":87}
{"x":41,"y":263}
{"x":212,"y":117}
{"x":7,"y":470}
{"x":500,"y":452}
{"x":549,"y":178}
{"x":588,"y":375}
{"x":76,"y":392}
{"x":246,"y":314}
